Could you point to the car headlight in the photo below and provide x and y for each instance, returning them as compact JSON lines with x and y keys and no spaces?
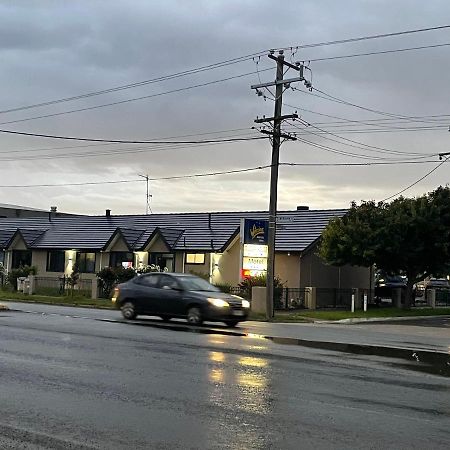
{"x":218,"y":302}
{"x":245,"y":304}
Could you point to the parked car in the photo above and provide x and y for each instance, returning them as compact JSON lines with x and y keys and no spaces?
{"x":169,"y":295}
{"x":384,"y":285}
{"x":431,"y":283}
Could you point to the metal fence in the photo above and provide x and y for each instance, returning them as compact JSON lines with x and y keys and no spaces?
{"x":443,"y":297}
{"x":60,"y":286}
{"x":290,"y":298}
{"x":333,"y":298}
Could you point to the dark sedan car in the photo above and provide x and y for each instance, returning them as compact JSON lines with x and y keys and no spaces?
{"x":170,"y":295}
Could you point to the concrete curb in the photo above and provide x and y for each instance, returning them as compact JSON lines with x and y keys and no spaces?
{"x":356,"y":320}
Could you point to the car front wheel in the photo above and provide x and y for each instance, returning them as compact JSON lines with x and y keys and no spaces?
{"x":194,"y":316}
{"x":129,"y":311}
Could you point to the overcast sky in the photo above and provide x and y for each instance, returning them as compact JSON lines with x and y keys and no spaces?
{"x":51,"y":50}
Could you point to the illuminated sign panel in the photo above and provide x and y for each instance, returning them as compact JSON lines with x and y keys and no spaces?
{"x":252,"y":263}
{"x":255,"y":231}
{"x":256,"y":250}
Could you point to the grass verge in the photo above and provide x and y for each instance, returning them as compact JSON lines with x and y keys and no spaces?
{"x":63,"y":300}
{"x":300,"y":316}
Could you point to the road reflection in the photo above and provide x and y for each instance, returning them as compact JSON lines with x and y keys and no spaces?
{"x":240,"y":386}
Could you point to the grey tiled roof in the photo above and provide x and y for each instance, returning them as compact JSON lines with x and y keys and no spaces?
{"x":30,"y":236}
{"x":171,"y":236}
{"x":5,"y":237}
{"x":131,"y":236}
{"x":190,"y":231}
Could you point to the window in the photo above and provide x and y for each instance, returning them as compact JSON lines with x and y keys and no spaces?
{"x":56,"y":260}
{"x":86,"y":262}
{"x":21,"y":258}
{"x":165,"y":261}
{"x":195,"y":258}
{"x":117,"y":258}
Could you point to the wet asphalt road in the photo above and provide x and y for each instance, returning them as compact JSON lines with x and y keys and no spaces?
{"x":429,"y":334}
{"x":70,"y":382}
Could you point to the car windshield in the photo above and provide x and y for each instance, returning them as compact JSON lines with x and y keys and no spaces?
{"x":197,"y":284}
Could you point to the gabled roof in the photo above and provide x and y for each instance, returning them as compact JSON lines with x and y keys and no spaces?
{"x":29,"y":236}
{"x":5,"y":237}
{"x":129,"y":235}
{"x":169,"y":236}
{"x":181,"y":231}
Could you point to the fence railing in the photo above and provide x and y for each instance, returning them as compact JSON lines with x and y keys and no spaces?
{"x":61,"y":286}
{"x":290,"y":298}
{"x":443,"y":297}
{"x":333,"y":298}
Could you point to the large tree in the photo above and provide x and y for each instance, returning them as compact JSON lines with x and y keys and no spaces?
{"x":409,"y":236}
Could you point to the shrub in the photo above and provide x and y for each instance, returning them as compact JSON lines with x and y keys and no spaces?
{"x":22,"y":271}
{"x":111,"y":276}
{"x":148,"y":269}
{"x":261,"y":280}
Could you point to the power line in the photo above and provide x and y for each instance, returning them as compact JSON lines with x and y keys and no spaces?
{"x":360,"y":145}
{"x":143,"y":97}
{"x":109,"y":152}
{"x":132,"y":85}
{"x":227,"y":172}
{"x":349,"y":164}
{"x":387,"y":130}
{"x":370,"y":37}
{"x":349,"y":122}
{"x":174,"y":177}
{"x":416,"y":182}
{"x":380,"y":52}
{"x":87,"y":183}
{"x":14,"y":151}
{"x":345,"y":102}
{"x":226,"y":63}
{"x":124,"y":141}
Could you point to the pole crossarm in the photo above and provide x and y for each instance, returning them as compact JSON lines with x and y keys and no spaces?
{"x":276,"y":83}
{"x":296,"y":66}
{"x":271,"y":119}
{"x":279,"y":135}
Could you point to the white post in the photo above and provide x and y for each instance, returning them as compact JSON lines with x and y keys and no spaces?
{"x":353,"y":302}
{"x":365,"y":301}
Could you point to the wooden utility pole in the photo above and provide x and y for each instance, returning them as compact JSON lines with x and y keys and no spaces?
{"x":280,"y":84}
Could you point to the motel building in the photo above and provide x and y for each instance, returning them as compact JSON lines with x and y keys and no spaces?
{"x":215,"y":245}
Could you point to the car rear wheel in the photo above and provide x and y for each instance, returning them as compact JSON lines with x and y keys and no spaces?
{"x":194,"y":316}
{"x":231,"y":323}
{"x":129,"y":311}
{"x":165,"y":318}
